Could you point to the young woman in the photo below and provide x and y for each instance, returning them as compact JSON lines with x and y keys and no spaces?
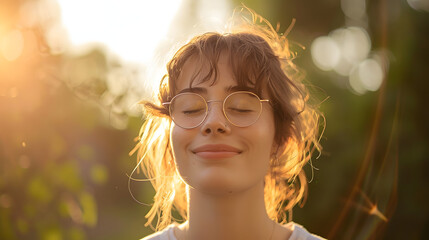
{"x":225,"y":142}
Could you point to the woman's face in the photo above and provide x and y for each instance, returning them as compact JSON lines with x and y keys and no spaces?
{"x":218,"y":157}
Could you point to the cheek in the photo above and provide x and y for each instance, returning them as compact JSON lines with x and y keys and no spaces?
{"x":176,"y":139}
{"x":267,"y":133}
{"x":180,"y":140}
{"x":265,"y":144}
{"x":261,"y":142}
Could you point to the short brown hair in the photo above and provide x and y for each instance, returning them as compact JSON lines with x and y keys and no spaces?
{"x":259,"y":59}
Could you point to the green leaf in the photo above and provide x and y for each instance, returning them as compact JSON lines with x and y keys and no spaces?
{"x":52,"y":233}
{"x":68,"y":177}
{"x":76,"y":234}
{"x":39,"y":191}
{"x":85,"y":152}
{"x":89,"y":209}
{"x":5,"y":225}
{"x":22,"y":225}
{"x":99,"y":174}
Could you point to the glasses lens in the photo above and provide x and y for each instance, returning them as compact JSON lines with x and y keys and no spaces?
{"x":242,"y":108}
{"x":188,"y":110}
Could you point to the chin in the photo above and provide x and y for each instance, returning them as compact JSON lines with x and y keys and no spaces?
{"x":214,"y":181}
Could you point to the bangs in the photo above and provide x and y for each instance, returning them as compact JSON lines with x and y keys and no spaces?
{"x":247,"y":55}
{"x":259,"y":60}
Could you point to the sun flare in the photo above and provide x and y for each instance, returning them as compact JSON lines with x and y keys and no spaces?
{"x":129,"y":28}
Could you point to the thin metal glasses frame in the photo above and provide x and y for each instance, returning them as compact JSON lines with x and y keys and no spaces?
{"x":223,"y":107}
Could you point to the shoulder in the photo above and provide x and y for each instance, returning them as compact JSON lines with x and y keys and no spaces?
{"x":300,"y":233}
{"x":165,"y":234}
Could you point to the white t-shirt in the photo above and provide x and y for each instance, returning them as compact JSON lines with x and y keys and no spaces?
{"x":298,"y":233}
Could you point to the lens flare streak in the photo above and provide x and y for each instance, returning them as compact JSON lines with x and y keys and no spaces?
{"x":370,"y":208}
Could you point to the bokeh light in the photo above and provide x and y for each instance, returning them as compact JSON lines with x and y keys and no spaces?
{"x":354,"y":44}
{"x":370,"y":74}
{"x":11,"y":45}
{"x":345,"y":51}
{"x":354,"y":9}
{"x":325,"y":53}
{"x":57,"y":38}
{"x":419,"y":5}
{"x":366,"y":76}
{"x":341,"y":50}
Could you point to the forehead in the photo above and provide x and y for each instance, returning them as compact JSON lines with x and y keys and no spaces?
{"x":197,"y":72}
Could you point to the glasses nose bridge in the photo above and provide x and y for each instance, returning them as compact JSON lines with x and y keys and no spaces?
{"x":210,"y":107}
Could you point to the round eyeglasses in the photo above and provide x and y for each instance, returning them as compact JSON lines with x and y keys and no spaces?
{"x":188,"y":110}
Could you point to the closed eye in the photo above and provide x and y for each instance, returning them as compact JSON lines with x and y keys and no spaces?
{"x":241,"y":110}
{"x":193,"y":111}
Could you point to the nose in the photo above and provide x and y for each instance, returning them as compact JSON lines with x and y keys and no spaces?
{"x":215,"y":121}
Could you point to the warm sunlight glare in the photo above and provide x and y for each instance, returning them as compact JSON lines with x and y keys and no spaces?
{"x":11,"y":45}
{"x":132,"y":29}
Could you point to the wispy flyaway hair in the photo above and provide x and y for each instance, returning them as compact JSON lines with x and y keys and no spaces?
{"x":260,"y":58}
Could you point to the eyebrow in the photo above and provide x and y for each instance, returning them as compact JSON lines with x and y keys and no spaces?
{"x":236,"y":88}
{"x":199,"y":90}
{"x":228,"y":89}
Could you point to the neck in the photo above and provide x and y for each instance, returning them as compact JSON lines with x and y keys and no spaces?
{"x":240,"y":215}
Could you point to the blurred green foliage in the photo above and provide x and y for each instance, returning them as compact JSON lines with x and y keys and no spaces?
{"x":64,"y":139}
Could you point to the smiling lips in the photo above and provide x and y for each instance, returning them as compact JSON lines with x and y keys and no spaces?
{"x":214,"y":151}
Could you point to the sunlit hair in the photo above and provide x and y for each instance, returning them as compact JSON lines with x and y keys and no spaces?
{"x":259,"y":58}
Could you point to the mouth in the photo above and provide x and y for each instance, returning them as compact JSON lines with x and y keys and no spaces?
{"x":216,"y":151}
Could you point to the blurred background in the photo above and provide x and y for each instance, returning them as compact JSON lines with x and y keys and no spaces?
{"x":72,"y":72}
